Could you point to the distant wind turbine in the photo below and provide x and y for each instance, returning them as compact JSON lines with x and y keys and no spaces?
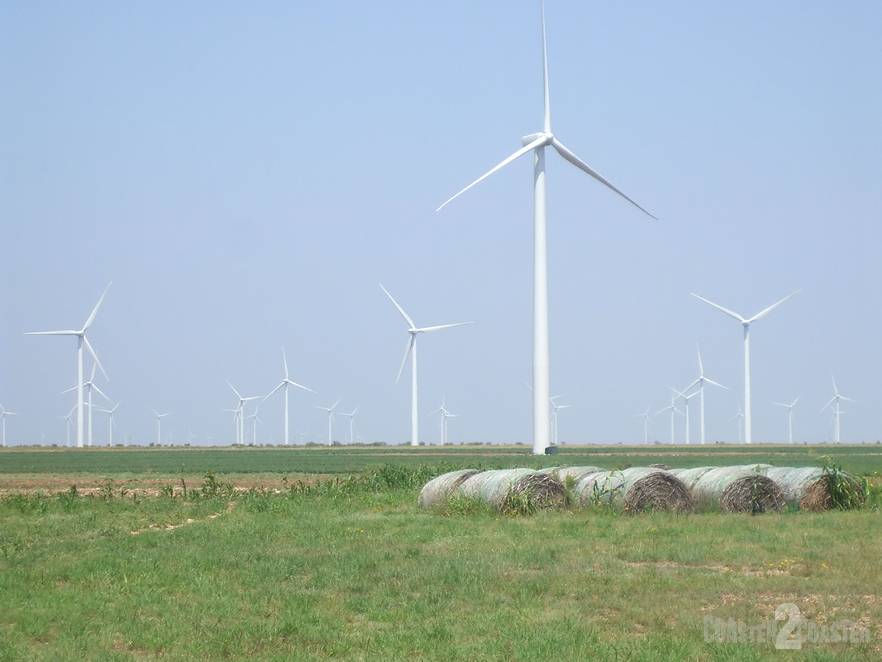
{"x":159,"y":418}
{"x":645,"y":416}
{"x":81,"y":341}
{"x":745,"y":323}
{"x":240,"y":406}
{"x":3,"y":414}
{"x":89,"y":386}
{"x":536,"y":143}
{"x":67,"y":422}
{"x":685,"y":397}
{"x":255,"y":419}
{"x":740,"y":418}
{"x":555,"y":425}
{"x":699,"y":382}
{"x":672,"y":409}
{"x":837,"y":411}
{"x":330,"y":411}
{"x":351,"y":417}
{"x":411,"y":351}
{"x":789,"y":408}
{"x":283,"y":385}
{"x":110,"y":412}
{"x":445,"y":414}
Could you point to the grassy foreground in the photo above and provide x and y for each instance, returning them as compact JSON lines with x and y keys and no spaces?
{"x":361,"y":573}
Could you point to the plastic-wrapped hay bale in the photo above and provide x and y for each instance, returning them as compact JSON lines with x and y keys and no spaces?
{"x":690,"y":476}
{"x":737,"y":490}
{"x":636,"y":489}
{"x":497,"y":486}
{"x":564,"y":473}
{"x":437,"y":490}
{"x":813,"y":488}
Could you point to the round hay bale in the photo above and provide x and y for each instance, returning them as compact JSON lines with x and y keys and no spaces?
{"x":437,"y":490}
{"x":564,"y":473}
{"x":660,"y":466}
{"x":690,"y":476}
{"x":737,"y":490}
{"x":815,"y":489}
{"x":636,"y":489}
{"x":499,"y":486}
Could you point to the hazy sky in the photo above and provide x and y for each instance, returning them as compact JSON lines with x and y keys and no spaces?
{"x":247,"y":175}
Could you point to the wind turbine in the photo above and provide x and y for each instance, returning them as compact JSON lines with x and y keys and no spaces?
{"x":81,"y":341}
{"x":159,"y":418}
{"x":351,"y":417}
{"x":699,"y":382}
{"x":283,"y":385}
{"x":740,"y":418}
{"x":110,"y":412}
{"x":330,"y":411}
{"x":686,"y":397}
{"x":241,"y":415}
{"x":837,"y":410}
{"x":445,"y":414}
{"x":255,"y":419}
{"x":645,"y":416}
{"x":745,"y":323}
{"x":3,"y":414}
{"x":411,"y":351}
{"x":67,"y":422}
{"x":536,"y":143}
{"x":89,"y":386}
{"x":672,"y":408}
{"x":235,"y":413}
{"x":555,"y":434}
{"x":789,"y":408}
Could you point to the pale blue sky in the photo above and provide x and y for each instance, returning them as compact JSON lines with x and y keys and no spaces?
{"x":246,"y":175}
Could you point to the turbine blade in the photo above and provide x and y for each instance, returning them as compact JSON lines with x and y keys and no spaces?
{"x":832,"y":400}
{"x":285,"y":362}
{"x":69,"y":332}
{"x":581,"y":165}
{"x":407,"y":352}
{"x":700,"y":362}
{"x":547,"y":121}
{"x":719,"y":307}
{"x":70,"y":390}
{"x":95,"y":357}
{"x":499,"y":166}
{"x":793,"y":404}
{"x":334,"y":406}
{"x":781,"y":404}
{"x":835,"y":390}
{"x":273,"y":392}
{"x":97,"y":306}
{"x":101,"y":393}
{"x":305,"y":388}
{"x":430,"y":329}
{"x":766,"y":311}
{"x":238,"y":395}
{"x":398,"y":306}
{"x":711,"y":381}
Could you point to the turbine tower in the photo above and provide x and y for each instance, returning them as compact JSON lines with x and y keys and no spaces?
{"x":159,"y":418}
{"x":82,"y":340}
{"x":789,"y":408}
{"x":699,"y":382}
{"x":745,"y":323}
{"x":411,"y":351}
{"x":645,"y":416}
{"x":110,"y":412}
{"x":3,"y":414}
{"x":837,"y":411}
{"x":330,"y":410}
{"x":351,"y":417}
{"x":536,"y":143}
{"x":283,"y":385}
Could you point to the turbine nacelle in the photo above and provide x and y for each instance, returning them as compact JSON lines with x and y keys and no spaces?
{"x":533,"y":137}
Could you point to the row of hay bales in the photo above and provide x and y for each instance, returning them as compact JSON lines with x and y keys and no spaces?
{"x":739,"y":489}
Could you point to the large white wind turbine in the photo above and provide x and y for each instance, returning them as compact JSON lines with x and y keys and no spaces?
{"x":645,"y":416}
{"x":789,"y":408}
{"x":745,"y":323}
{"x":699,"y":382}
{"x":837,"y":411}
{"x":351,"y":416}
{"x":411,"y":351}
{"x":3,"y":414}
{"x":110,"y":412}
{"x":159,"y":418}
{"x":445,"y":414}
{"x":81,"y":341}
{"x":240,"y":406}
{"x":672,"y":408}
{"x":536,"y":143}
{"x":89,"y":386}
{"x":330,"y":410}
{"x":283,"y":385}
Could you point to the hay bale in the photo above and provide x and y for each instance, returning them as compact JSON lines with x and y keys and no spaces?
{"x":637,"y":489}
{"x":564,"y":473}
{"x":816,"y":489}
{"x":437,"y":490}
{"x":690,"y":476}
{"x":736,"y":490}
{"x":499,"y":486}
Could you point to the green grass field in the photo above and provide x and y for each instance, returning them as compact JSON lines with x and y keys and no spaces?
{"x":357,"y":571}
